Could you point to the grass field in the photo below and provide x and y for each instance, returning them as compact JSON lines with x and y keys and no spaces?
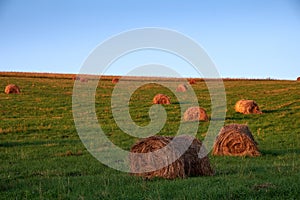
{"x":42,"y":156}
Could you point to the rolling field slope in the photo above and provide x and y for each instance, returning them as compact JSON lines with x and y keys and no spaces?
{"x":42,"y":156}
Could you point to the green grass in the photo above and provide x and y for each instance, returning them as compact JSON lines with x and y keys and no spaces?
{"x":42,"y":156}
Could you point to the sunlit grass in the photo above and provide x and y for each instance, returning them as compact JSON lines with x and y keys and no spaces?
{"x":42,"y":156}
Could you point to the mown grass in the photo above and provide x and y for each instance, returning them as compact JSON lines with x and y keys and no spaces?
{"x":42,"y":156}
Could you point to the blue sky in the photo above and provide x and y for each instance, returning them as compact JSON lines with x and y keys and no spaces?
{"x":250,"y":38}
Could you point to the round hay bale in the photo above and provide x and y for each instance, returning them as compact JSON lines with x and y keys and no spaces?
{"x":192,"y":81}
{"x":161,"y":99}
{"x":181,"y":88}
{"x":83,"y":80}
{"x":195,"y":113}
{"x":235,"y":140}
{"x":298,"y":79}
{"x":12,"y":89}
{"x":247,"y":107}
{"x":188,"y":164}
{"x":74,"y":78}
{"x":115,"y":80}
{"x":151,"y":144}
{"x":193,"y":165}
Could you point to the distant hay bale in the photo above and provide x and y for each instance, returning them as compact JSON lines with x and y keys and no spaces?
{"x":161,"y":99}
{"x":83,"y":80}
{"x":115,"y":80}
{"x":74,"y":78}
{"x":188,"y":164}
{"x":181,"y":88}
{"x":12,"y":89}
{"x":192,"y":81}
{"x":195,"y":113}
{"x":235,"y":140}
{"x":298,"y":79}
{"x":247,"y":107}
{"x":78,"y":78}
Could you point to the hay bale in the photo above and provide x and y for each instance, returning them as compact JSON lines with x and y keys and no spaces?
{"x":151,"y":144}
{"x":74,"y":78}
{"x":161,"y":99}
{"x":181,"y":88}
{"x":247,"y":107}
{"x":83,"y":80}
{"x":193,"y":165}
{"x":298,"y":79}
{"x":235,"y":140}
{"x":115,"y":80}
{"x":78,"y":78}
{"x":12,"y":89}
{"x":195,"y":113}
{"x":188,"y":164}
{"x":192,"y":81}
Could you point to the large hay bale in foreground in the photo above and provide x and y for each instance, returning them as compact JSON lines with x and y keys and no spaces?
{"x":195,"y":113}
{"x":161,"y":99}
{"x":235,"y":140}
{"x":193,"y":164}
{"x":181,"y":88}
{"x":151,"y":144}
{"x":298,"y":79}
{"x":188,"y":164}
{"x":247,"y":107}
{"x":12,"y":89}
{"x":115,"y":80}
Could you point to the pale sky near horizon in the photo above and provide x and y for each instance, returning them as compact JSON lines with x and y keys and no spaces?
{"x":245,"y":39}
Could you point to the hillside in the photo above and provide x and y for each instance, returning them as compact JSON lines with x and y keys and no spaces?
{"x":42,"y":156}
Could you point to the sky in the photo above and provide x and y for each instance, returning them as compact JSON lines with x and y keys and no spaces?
{"x":244,"y":39}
